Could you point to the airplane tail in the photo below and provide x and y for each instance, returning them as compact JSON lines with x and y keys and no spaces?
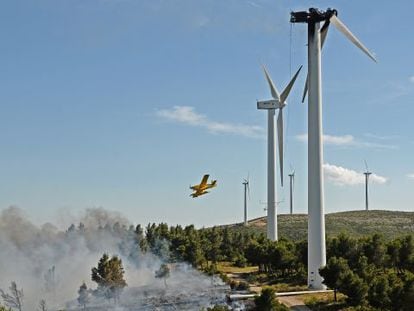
{"x":214,"y":183}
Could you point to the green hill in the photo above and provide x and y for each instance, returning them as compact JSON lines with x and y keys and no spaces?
{"x":390,"y":224}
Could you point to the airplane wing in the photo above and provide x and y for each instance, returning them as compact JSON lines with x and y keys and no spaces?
{"x":204,"y":180}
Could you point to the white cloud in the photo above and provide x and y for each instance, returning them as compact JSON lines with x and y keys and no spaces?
{"x":182,"y":114}
{"x":187,"y":115}
{"x":254,"y":4}
{"x":381,"y":137}
{"x":410,"y":176}
{"x":346,"y":141}
{"x":339,"y":140}
{"x":411,"y":79}
{"x":346,"y":177}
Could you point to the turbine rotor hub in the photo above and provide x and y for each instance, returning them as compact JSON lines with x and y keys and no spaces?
{"x":313,"y":16}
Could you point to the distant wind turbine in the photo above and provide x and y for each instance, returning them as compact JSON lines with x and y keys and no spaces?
{"x":246,"y":184}
{"x":291,"y":184}
{"x":278,"y":102}
{"x":366,"y":173}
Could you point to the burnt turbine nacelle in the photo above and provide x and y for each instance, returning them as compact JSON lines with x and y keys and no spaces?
{"x":314,"y":15}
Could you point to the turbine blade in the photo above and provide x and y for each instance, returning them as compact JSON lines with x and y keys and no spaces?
{"x":280,"y":142}
{"x":305,"y":89}
{"x":273,"y":89}
{"x":366,"y":165}
{"x":342,"y":28}
{"x":248,"y":190}
{"x":324,"y":33}
{"x":287,"y":89}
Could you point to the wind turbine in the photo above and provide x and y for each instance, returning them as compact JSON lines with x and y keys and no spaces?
{"x":291,"y":184}
{"x":366,"y":173}
{"x":316,"y":210}
{"x":278,"y":102}
{"x":246,"y":184}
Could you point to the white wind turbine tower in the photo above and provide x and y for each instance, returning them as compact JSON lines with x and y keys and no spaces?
{"x":291,"y":185}
{"x":366,"y":173}
{"x":246,"y":184}
{"x":278,"y":102}
{"x":316,"y":210}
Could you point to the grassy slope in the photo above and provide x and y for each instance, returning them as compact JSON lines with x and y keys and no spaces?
{"x":391,"y":224}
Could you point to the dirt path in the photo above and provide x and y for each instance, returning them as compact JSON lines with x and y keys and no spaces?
{"x":294,"y":303}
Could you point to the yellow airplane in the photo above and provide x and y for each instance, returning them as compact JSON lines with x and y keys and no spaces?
{"x":202,"y":187}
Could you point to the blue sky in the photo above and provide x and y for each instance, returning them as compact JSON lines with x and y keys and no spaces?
{"x":122,"y":104}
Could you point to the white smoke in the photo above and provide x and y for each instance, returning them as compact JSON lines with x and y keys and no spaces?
{"x":50,"y":263}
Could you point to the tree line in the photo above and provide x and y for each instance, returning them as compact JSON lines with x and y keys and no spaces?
{"x":370,"y":271}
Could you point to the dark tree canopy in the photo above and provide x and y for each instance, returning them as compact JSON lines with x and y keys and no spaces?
{"x":267,"y":301}
{"x":109,"y":275}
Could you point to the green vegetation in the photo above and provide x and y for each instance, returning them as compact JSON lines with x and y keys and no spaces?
{"x":365,"y":270}
{"x":163,"y":273}
{"x":391,"y":224}
{"x":267,"y":301}
{"x":370,"y":271}
{"x":109,"y":275}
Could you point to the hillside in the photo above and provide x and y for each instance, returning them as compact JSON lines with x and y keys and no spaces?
{"x":391,"y":224}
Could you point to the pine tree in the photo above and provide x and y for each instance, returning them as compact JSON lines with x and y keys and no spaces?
{"x":267,"y":301}
{"x":83,"y":298}
{"x":378,"y":293}
{"x":163,"y":273}
{"x":14,"y":299}
{"x":354,"y":287}
{"x":109,"y":275}
{"x":333,"y":272}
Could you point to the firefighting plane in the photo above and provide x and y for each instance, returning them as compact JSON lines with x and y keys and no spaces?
{"x":201,"y":188}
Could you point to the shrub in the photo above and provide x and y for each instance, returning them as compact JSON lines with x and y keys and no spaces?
{"x":243,"y":286}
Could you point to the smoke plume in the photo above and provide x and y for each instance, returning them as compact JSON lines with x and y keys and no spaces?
{"x":51,"y":263}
